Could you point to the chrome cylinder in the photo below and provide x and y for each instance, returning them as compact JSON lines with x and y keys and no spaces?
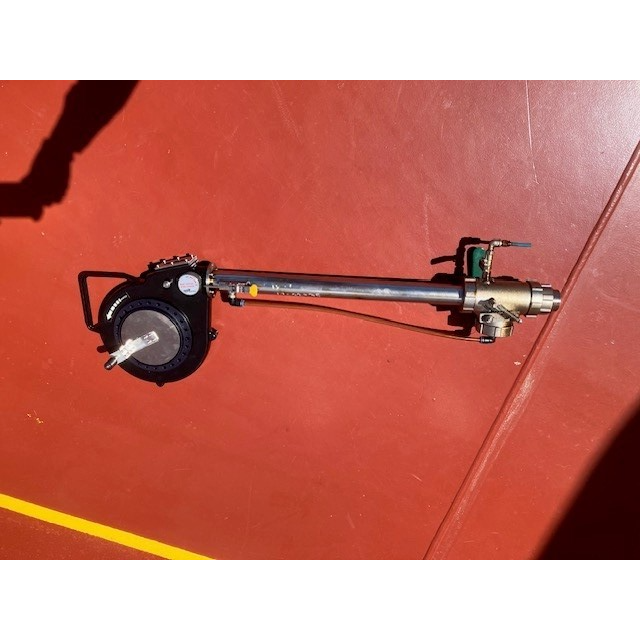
{"x":320,"y":286}
{"x":544,"y":299}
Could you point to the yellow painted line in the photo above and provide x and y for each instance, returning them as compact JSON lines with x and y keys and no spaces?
{"x":124,"y":538}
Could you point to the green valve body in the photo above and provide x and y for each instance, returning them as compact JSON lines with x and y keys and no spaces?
{"x":475,"y":255}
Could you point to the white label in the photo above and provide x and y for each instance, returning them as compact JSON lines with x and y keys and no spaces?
{"x":189,"y":284}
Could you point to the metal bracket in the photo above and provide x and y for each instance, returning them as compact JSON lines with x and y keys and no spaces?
{"x":83,"y":276}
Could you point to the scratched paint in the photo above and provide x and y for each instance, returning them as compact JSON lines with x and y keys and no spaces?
{"x":34,"y":416}
{"x":533,"y":162}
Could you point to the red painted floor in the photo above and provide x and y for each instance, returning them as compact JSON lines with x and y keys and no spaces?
{"x":304,"y":435}
{"x":24,"y":538}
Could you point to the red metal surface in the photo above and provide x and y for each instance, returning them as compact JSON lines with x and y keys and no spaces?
{"x":574,"y":409}
{"x":24,"y":538}
{"x":307,"y":436}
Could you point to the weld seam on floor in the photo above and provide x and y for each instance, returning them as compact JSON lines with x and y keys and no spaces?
{"x":522,"y":387}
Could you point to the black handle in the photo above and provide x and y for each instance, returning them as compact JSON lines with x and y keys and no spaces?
{"x":83,"y":276}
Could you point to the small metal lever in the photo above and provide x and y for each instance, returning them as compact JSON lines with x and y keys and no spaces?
{"x":491,"y":306}
{"x":129,"y":348}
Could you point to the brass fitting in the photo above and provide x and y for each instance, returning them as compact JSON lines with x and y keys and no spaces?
{"x":498,"y":303}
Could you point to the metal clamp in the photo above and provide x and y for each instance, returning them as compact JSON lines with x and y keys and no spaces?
{"x":187,"y":259}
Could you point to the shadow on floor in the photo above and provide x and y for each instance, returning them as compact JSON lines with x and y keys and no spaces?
{"x":88,"y":107}
{"x":603,"y":523}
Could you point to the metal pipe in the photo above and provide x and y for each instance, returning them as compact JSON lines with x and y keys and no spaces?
{"x":322,"y":286}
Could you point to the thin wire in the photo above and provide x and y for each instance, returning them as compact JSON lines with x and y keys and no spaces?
{"x":361,"y":316}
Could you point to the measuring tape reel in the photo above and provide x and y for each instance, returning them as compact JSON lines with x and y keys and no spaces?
{"x":155,"y":326}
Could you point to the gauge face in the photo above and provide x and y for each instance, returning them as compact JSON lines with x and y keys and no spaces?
{"x":140,"y":322}
{"x":189,"y":284}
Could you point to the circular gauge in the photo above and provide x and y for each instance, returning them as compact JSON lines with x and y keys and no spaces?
{"x":175,"y":341}
{"x":189,"y":283}
{"x":142,"y":321}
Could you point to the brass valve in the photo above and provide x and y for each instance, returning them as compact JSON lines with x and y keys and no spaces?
{"x":499,"y":302}
{"x":156,"y":326}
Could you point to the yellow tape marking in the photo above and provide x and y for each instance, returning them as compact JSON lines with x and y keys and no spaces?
{"x":97,"y":530}
{"x":253,"y":290}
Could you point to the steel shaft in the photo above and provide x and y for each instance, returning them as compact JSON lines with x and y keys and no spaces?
{"x":322,"y":286}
